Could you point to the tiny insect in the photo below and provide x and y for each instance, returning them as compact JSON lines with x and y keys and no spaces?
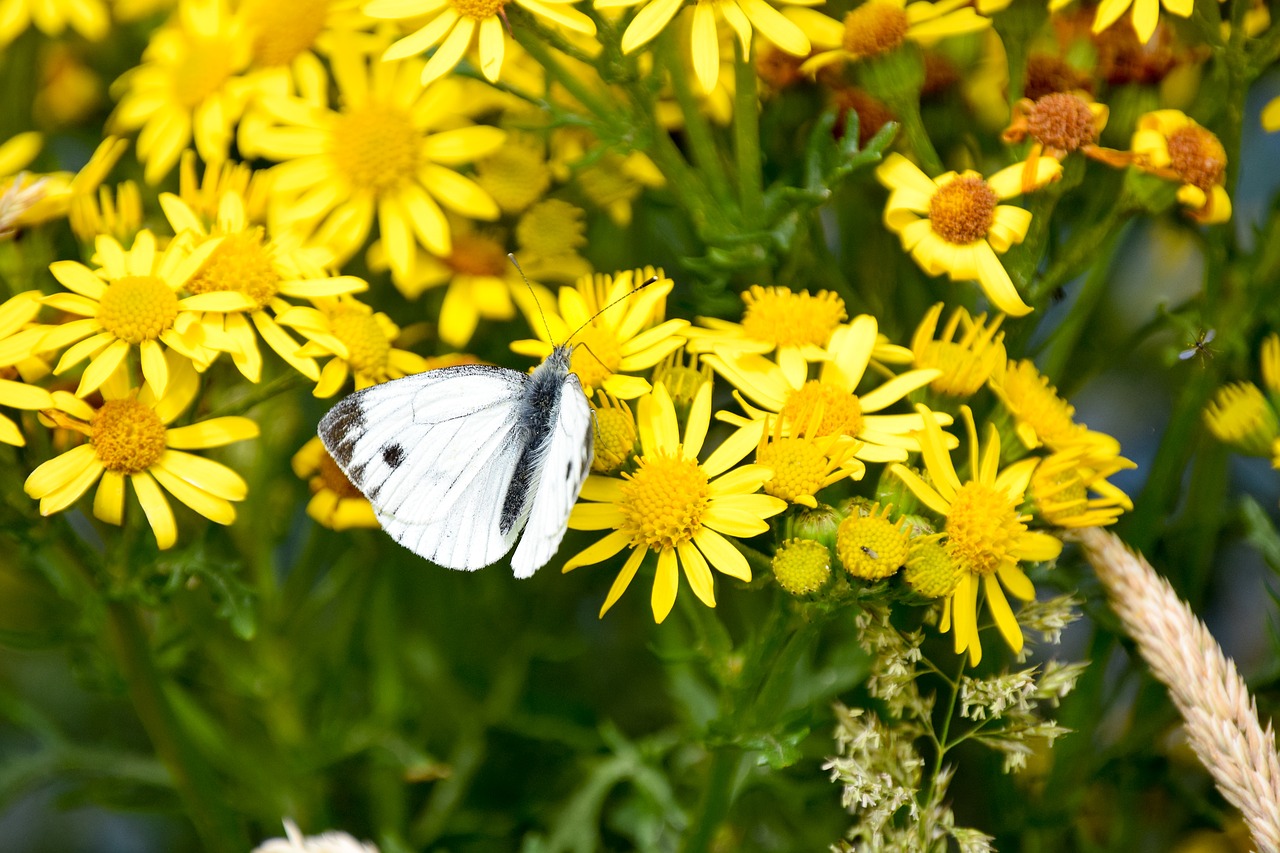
{"x":1200,"y":346}
{"x":870,"y":553}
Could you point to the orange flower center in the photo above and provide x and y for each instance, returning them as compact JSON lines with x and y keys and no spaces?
{"x":138,"y":308}
{"x":1062,"y":121}
{"x":240,"y":263}
{"x":128,"y":436}
{"x":663,"y":502}
{"x":329,"y":476}
{"x":963,"y":210}
{"x":982,"y":529}
{"x":1197,"y":156}
{"x":476,"y":255}
{"x":841,"y":411}
{"x":786,"y":318}
{"x":376,"y":147}
{"x":874,"y":27}
{"x":479,"y":9}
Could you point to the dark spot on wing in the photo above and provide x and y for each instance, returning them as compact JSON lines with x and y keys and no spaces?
{"x":393,"y":455}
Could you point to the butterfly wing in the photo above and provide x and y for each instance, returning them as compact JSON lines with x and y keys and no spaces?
{"x":563,"y":465}
{"x":435,"y":454}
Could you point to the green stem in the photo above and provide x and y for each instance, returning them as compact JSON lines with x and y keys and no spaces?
{"x":746,"y":138}
{"x":717,"y":796}
{"x":697,"y":131}
{"x":1063,"y":343}
{"x":217,"y":826}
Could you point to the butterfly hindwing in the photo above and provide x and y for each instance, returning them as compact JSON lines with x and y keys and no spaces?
{"x":562,"y":460}
{"x":438,"y":480}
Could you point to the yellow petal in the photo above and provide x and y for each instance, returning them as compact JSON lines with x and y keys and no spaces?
{"x":213,"y":477}
{"x":156,"y":507}
{"x":213,"y":508}
{"x":697,"y":572}
{"x":212,"y":433}
{"x":721,"y":554}
{"x":666,"y":582}
{"x":623,"y":580}
{"x":108,"y":502}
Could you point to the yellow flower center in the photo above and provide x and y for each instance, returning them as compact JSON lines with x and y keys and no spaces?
{"x":367,"y":346}
{"x":963,"y":210}
{"x":329,"y":477}
{"x":474,"y":254}
{"x":479,"y":9}
{"x":551,"y":228}
{"x":982,"y":529}
{"x":963,"y":370}
{"x":138,"y":308}
{"x":930,"y":572}
{"x":128,"y":436}
{"x":802,"y":566}
{"x":841,"y":411}
{"x":799,"y":468}
{"x":663,"y":502}
{"x":1197,"y":156}
{"x":874,"y":27}
{"x":376,"y":147}
{"x":206,"y":64}
{"x":516,"y":175}
{"x":871,"y":547}
{"x":1036,"y":403}
{"x":596,"y":355}
{"x":283,"y":30}
{"x":1062,"y":121}
{"x":615,"y":438}
{"x":1059,"y":493}
{"x":240,"y":263}
{"x":785,"y":318}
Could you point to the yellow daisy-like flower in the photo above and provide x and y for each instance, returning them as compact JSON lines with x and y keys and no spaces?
{"x":615,"y":328}
{"x":17,"y":313}
{"x":264,"y":269}
{"x":616,"y":435}
{"x":455,"y":25}
{"x":335,"y":503}
{"x":675,"y":507}
{"x":879,"y":26}
{"x":21,"y":337}
{"x":186,"y":87}
{"x":32,"y":200}
{"x":1061,"y":487}
{"x":984,"y":534}
{"x":801,"y":566}
{"x":129,"y":439}
{"x":87,"y":17}
{"x":871,"y":546}
{"x":796,"y":325}
{"x":1041,"y":416}
{"x":804,"y":464}
{"x":964,"y":364}
{"x":744,"y":17}
{"x":379,"y":155}
{"x":954,"y":223}
{"x":130,"y":301}
{"x":787,"y":391}
{"x":1173,"y":146}
{"x":1239,"y":415}
{"x":359,"y":341}
{"x":1145,"y":17}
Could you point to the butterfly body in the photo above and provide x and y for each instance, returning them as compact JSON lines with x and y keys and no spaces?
{"x":458,"y":461}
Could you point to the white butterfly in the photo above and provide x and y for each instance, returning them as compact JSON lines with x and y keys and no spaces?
{"x":457,"y":461}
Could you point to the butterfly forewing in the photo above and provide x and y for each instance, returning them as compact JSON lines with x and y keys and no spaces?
{"x":437,"y":481}
{"x":563,"y":462}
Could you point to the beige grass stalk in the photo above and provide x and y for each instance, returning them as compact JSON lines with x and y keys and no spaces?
{"x":1221,"y":717}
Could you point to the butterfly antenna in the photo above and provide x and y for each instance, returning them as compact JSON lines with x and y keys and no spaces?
{"x":511,"y":256}
{"x":653,"y":279}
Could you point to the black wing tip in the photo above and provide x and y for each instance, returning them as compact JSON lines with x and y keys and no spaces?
{"x":339,"y":428}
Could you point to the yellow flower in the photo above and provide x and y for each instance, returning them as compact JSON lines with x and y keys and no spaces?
{"x":455,"y":24}
{"x":187,"y":86}
{"x":335,"y":503}
{"x":51,"y":196}
{"x":954,"y":224}
{"x":741,"y":15}
{"x":1062,"y":482}
{"x":964,"y":364}
{"x":129,"y":438}
{"x":616,"y":435}
{"x":801,"y":566}
{"x":1146,"y":13}
{"x":265,"y":270}
{"x":1173,"y":146}
{"x":675,"y":507}
{"x":377,"y":156}
{"x":775,"y":319}
{"x":1271,"y":115}
{"x":130,"y":301}
{"x":787,"y":391}
{"x":16,"y":313}
{"x":984,"y":533}
{"x":615,"y":328}
{"x":21,"y":337}
{"x":117,"y":214}
{"x":1239,"y":415}
{"x":359,"y":341}
{"x":871,"y":546}
{"x":1269,"y":358}
{"x":1041,"y":416}
{"x":609,"y":181}
{"x":804,"y":464}
{"x":879,"y":26}
{"x":87,"y":17}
